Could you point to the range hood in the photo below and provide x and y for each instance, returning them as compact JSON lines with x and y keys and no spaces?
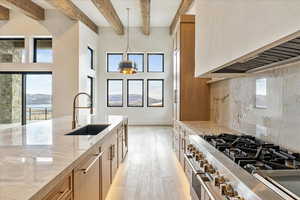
{"x":281,"y":52}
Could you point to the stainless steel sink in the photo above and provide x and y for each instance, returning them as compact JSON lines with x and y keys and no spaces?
{"x":91,"y":129}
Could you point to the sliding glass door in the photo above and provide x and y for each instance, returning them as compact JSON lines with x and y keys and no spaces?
{"x":25,"y":97}
{"x":38,"y":97}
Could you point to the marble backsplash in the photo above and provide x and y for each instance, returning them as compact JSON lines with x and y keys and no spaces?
{"x":233,"y":105}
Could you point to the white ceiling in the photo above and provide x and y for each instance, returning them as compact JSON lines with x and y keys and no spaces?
{"x":162,"y":11}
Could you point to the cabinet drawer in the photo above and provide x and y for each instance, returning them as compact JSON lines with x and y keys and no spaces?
{"x":61,"y":190}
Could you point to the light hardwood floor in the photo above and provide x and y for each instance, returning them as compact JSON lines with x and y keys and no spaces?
{"x":151,"y":170}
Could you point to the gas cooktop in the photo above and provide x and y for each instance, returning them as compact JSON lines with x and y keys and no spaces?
{"x":253,"y":154}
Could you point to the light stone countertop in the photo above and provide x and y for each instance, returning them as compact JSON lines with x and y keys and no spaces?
{"x":32,"y":156}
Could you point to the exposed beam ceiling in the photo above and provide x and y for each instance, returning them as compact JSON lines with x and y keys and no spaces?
{"x":145,"y":9}
{"x":107,"y":10}
{"x":183,"y":8}
{"x":27,"y":7}
{"x":73,"y":12}
{"x":4,"y":13}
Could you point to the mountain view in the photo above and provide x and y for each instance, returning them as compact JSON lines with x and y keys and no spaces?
{"x":38,"y":99}
{"x":134,"y":99}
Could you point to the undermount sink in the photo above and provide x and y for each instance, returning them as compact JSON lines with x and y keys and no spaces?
{"x":91,"y":129}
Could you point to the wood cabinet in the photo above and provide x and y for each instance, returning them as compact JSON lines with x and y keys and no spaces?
{"x":63,"y":190}
{"x":87,"y":177}
{"x":113,"y":156}
{"x":191,"y":94}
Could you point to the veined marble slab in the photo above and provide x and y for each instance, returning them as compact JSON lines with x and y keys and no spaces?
{"x":34,"y":156}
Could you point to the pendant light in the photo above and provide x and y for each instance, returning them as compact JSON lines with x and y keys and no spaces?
{"x":126,"y":66}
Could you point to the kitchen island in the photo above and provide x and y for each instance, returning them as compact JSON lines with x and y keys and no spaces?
{"x":38,"y":161}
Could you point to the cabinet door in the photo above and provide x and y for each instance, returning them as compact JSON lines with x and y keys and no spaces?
{"x":87,"y":178}
{"x":105,"y":166}
{"x":114,"y":158}
{"x":125,"y":140}
{"x":120,"y":147}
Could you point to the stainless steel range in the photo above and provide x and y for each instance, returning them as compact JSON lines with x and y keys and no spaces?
{"x":236,"y":167}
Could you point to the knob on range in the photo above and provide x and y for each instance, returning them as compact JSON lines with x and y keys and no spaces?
{"x":218,"y":180}
{"x":227,"y":190}
{"x":203,"y":162}
{"x":199,"y":156}
{"x":208,"y":168}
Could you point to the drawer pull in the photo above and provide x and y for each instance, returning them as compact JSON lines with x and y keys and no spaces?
{"x":86,"y":170}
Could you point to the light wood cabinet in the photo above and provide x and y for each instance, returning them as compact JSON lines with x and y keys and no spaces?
{"x":105,"y":167}
{"x":63,"y":190}
{"x":191,"y":94}
{"x":114,"y":156}
{"x":87,"y":178}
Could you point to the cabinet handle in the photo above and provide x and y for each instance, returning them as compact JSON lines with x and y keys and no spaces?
{"x":86,"y":170}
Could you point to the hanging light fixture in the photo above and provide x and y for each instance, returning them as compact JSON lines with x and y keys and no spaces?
{"x":126,"y":66}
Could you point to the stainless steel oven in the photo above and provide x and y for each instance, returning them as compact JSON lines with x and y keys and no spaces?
{"x":202,"y":185}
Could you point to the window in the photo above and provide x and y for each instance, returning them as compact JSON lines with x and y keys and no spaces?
{"x":115,"y":93}
{"x":138,"y":59}
{"x":12,"y":50}
{"x":261,"y":93}
{"x":135,"y":93}
{"x":155,"y":62}
{"x":42,"y":50}
{"x":155,"y":93}
{"x":25,"y":97}
{"x":91,"y":88}
{"x":113,"y":60}
{"x":91,"y":57}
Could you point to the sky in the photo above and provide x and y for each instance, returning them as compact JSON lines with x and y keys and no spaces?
{"x":39,"y":84}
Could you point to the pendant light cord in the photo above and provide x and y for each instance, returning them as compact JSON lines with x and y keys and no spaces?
{"x":127,"y":48}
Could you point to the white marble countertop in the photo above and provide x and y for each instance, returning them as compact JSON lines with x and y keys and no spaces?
{"x":35,"y":154}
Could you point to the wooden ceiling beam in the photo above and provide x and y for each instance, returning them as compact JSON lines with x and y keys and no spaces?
{"x":183,"y":8}
{"x":4,"y":13}
{"x":108,"y":11}
{"x":27,"y":7}
{"x":68,"y":8}
{"x":145,"y":10}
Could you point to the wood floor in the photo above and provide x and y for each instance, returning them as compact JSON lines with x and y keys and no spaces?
{"x":151,"y":170}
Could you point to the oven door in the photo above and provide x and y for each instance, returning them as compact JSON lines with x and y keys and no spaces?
{"x":201,"y":186}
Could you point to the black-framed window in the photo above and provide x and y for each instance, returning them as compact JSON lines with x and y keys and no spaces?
{"x":12,"y":50}
{"x":91,"y":57}
{"x":135,"y":93}
{"x":138,"y":59}
{"x":112,"y":61}
{"x":31,"y":101}
{"x":155,"y":62}
{"x":42,"y":50}
{"x":91,"y":88}
{"x":114,"y":92}
{"x":155,"y":92}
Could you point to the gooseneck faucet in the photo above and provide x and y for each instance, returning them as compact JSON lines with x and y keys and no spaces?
{"x":80,"y":107}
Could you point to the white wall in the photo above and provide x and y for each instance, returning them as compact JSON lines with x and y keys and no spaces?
{"x":229,"y":29}
{"x":70,"y":39}
{"x":158,"y":41}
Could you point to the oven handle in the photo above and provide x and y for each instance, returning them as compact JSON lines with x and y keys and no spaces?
{"x":199,"y":177}
{"x":191,"y":165}
{"x":211,"y":196}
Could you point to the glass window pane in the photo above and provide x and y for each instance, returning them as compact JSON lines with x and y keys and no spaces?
{"x":91,"y":57}
{"x":113,"y":61}
{"x":155,"y":93}
{"x":10,"y":100}
{"x":155,"y":62}
{"x":38,"y":97}
{"x":12,"y":50}
{"x":261,"y":93}
{"x":115,"y":93}
{"x":90,"y":87}
{"x":138,"y":59}
{"x":135,"y":94}
{"x":43,"y":50}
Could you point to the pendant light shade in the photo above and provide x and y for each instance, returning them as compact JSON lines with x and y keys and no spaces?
{"x":126,"y":66}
